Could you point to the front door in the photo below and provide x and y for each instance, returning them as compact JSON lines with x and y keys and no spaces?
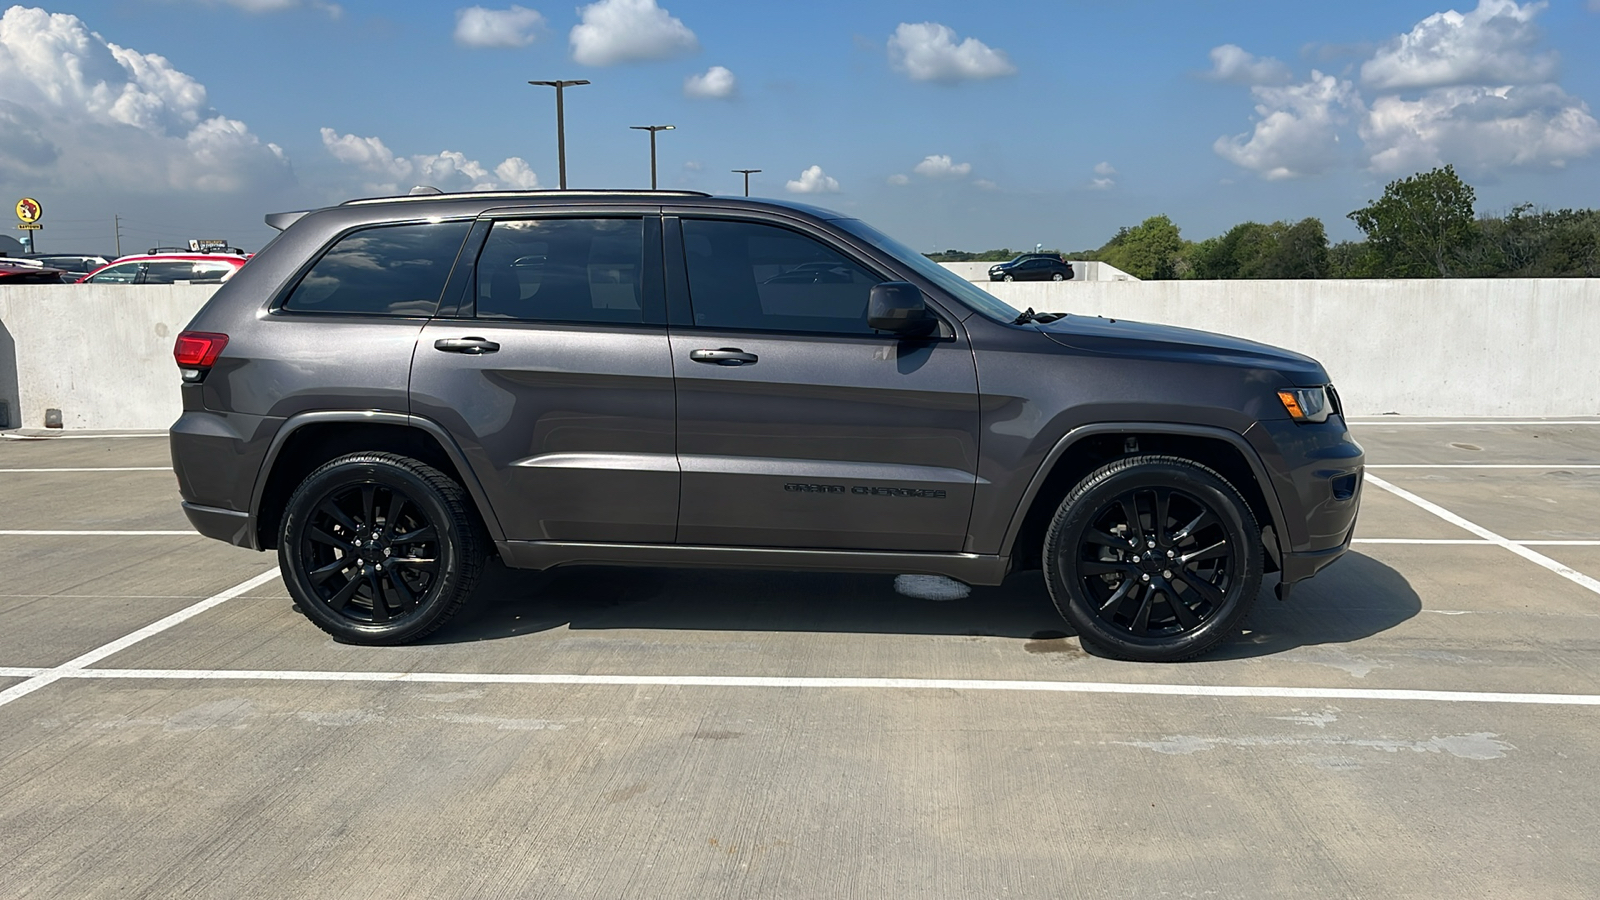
{"x":556,"y":380}
{"x":799,"y":426}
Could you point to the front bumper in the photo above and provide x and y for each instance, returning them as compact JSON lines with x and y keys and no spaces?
{"x":1317,"y":472}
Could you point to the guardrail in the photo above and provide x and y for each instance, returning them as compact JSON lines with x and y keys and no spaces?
{"x":102,"y":354}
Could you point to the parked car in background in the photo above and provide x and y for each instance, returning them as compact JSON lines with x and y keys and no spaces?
{"x":1032,"y":267}
{"x":76,"y":263}
{"x":168,"y":268}
{"x":27,"y":271}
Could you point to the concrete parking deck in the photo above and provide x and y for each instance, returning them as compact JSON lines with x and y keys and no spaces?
{"x":1417,"y":721}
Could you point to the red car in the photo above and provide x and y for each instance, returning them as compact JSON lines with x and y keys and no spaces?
{"x":168,"y":268}
{"x":22,"y":271}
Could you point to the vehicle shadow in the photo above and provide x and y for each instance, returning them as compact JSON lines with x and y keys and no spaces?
{"x":1353,"y":599}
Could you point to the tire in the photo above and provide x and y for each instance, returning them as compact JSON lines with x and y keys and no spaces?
{"x":1057,"y":277}
{"x":353,"y":571}
{"x":1009,"y":278}
{"x":1153,"y":559}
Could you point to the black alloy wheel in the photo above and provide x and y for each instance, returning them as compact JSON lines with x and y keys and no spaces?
{"x":1154,"y":559}
{"x":377,"y":548}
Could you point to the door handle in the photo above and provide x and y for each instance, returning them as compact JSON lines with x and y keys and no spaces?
{"x":472,"y":345}
{"x":726,"y":356}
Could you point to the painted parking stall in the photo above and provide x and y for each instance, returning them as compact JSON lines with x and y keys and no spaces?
{"x":667,"y":732}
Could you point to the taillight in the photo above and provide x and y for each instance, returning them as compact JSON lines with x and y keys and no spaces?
{"x":196,"y":352}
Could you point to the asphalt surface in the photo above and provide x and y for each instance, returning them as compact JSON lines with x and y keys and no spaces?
{"x":1418,"y":721}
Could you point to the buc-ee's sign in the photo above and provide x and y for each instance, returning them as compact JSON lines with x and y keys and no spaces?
{"x":29,"y":211}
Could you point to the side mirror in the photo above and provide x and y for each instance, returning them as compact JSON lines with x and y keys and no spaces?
{"x":897,"y":307}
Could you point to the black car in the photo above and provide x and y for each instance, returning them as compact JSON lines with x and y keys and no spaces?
{"x":74,"y":263}
{"x":390,"y":393}
{"x":1032,"y":267}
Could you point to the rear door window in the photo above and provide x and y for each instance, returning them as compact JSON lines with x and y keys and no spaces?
{"x":563,"y":270}
{"x":122,"y":273}
{"x":389,"y":270}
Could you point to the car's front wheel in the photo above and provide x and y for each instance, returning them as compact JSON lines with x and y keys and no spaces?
{"x":1153,"y":558}
{"x":1009,"y":278}
{"x":378,"y":548}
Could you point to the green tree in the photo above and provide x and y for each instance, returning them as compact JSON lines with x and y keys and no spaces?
{"x":1254,"y":250}
{"x":1422,"y":226}
{"x":1151,"y":250}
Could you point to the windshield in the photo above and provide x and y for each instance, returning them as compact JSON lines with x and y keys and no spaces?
{"x":962,"y":289}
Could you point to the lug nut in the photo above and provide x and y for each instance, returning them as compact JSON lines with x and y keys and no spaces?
{"x":1170,"y":554}
{"x":1151,"y":545}
{"x":1144,"y":577}
{"x":1166,"y":573}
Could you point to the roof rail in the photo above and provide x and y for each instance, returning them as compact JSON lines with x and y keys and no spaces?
{"x":499,"y":195}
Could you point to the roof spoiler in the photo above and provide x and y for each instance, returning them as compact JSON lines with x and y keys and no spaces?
{"x":283,"y":220}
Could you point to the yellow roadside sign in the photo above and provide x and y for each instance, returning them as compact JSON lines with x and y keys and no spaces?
{"x":29,"y":210}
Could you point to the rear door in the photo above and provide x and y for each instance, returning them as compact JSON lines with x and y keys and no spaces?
{"x":554,"y":376}
{"x":798,"y":425}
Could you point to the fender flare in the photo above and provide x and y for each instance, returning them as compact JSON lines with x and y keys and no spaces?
{"x":1257,"y":468}
{"x":294,"y":423}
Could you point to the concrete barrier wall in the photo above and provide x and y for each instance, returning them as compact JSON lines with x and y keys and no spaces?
{"x":1489,"y":347}
{"x":102,"y":354}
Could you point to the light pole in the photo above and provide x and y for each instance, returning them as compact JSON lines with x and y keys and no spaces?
{"x":561,"y":123}
{"x":652,"y":129}
{"x":747,"y":174}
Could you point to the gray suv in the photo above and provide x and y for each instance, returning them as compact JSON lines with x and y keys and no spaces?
{"x":395,"y":388}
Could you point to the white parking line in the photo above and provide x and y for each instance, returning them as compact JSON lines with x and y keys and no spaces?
{"x":15,"y":672}
{"x":1482,"y":466}
{"x":95,"y":533}
{"x":1565,"y":571}
{"x":94,"y":469}
{"x":80,"y":663}
{"x":897,"y":684}
{"x":12,"y":436}
{"x":1473,"y":541}
{"x":1481,"y":423}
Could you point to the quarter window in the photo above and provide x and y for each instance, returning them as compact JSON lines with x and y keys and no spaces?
{"x":392,"y":270}
{"x":745,"y":275}
{"x":563,"y":270}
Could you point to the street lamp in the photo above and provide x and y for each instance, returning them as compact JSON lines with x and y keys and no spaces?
{"x":747,"y":174}
{"x":652,"y":129}
{"x":561,"y":123}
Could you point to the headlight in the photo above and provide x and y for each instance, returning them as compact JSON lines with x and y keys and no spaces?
{"x":1306,"y":404}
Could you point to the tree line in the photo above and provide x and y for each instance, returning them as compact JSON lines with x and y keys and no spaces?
{"x":1423,"y":226}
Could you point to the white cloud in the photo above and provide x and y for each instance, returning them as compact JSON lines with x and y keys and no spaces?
{"x":1104,"y":181}
{"x":449,"y":170}
{"x":80,"y":111}
{"x":986,"y":184}
{"x":1105,"y":169}
{"x":513,"y":27}
{"x":618,"y":31}
{"x":716,"y":84}
{"x":899,"y":179}
{"x":1493,"y":44}
{"x":1298,"y":130}
{"x":1232,"y":63}
{"x":928,"y":52}
{"x":813,"y":181}
{"x":1479,"y":128}
{"x":941,"y":167}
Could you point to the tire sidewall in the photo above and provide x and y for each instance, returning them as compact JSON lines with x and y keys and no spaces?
{"x":1075,"y":515}
{"x":349,"y":472}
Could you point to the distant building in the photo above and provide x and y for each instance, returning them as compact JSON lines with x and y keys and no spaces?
{"x":10,"y":246}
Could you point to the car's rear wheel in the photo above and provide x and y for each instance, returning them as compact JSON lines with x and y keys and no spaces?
{"x":1058,"y":277}
{"x":1153,"y":558}
{"x":378,"y":548}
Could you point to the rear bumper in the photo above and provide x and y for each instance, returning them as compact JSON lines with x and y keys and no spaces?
{"x":237,"y":528}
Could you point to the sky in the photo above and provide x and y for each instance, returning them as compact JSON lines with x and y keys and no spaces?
{"x":947,"y":124}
